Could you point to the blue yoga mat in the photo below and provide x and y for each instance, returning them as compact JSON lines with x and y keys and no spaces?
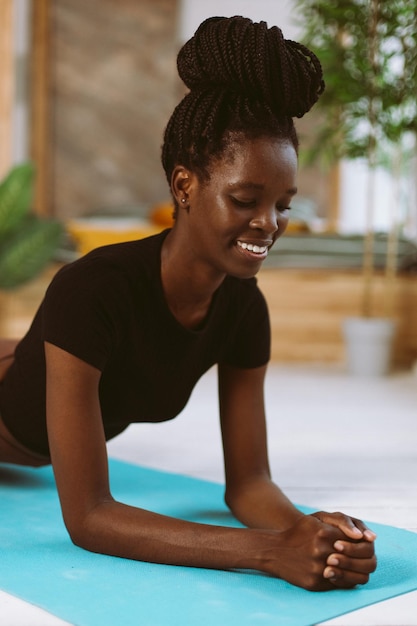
{"x":39,"y":564}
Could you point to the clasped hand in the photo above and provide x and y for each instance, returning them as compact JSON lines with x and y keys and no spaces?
{"x":352,"y":558}
{"x":324,"y":551}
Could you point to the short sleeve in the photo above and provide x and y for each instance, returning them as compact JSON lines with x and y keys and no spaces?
{"x":83,"y":311}
{"x":250,"y":344}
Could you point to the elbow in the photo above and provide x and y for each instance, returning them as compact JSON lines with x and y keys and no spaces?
{"x":247,"y":498}
{"x":238,"y":507}
{"x":87,"y":530}
{"x":238,"y":493}
{"x":232,"y":500}
{"x":80,"y":539}
{"x":81,"y":535}
{"x":228,"y":500}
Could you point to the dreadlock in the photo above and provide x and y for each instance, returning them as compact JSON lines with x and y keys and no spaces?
{"x":244,"y":79}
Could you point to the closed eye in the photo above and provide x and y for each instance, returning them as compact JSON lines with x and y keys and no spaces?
{"x":243,"y":203}
{"x":283,"y":209}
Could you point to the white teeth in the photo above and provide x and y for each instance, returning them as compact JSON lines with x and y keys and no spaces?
{"x":252,"y":248}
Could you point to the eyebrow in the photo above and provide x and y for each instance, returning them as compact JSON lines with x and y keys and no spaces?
{"x":248,"y":185}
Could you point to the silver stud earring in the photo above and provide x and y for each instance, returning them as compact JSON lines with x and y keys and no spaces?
{"x":183,"y":200}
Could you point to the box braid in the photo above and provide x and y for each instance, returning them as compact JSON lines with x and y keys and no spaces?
{"x":245,"y":80}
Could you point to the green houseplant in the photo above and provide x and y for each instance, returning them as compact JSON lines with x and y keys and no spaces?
{"x":27,"y":242}
{"x":368,"y":49}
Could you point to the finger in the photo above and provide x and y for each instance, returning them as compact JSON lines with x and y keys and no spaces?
{"x":351,"y":527}
{"x":367,"y":533}
{"x":355,"y":528}
{"x":345,"y":579}
{"x":343,"y":562}
{"x":359,"y":550}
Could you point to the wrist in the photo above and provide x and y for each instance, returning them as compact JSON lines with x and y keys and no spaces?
{"x":262,"y":551}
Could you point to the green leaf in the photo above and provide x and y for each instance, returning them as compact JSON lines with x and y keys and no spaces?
{"x":15,"y":198}
{"x":28,"y":251}
{"x":374,"y":95}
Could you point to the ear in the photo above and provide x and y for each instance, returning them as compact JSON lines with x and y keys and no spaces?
{"x":182,"y":182}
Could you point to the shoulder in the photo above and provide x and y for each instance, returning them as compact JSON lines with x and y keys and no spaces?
{"x":90,"y":306}
{"x":105,"y":283}
{"x":115,"y":264}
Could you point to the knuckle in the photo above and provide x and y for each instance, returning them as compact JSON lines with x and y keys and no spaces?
{"x":313,"y":583}
{"x":320,"y":552}
{"x":324,"y":532}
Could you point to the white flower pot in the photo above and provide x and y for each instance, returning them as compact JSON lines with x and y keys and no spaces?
{"x":368,"y":345}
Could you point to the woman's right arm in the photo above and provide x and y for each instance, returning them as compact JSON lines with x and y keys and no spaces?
{"x":96,"y":522}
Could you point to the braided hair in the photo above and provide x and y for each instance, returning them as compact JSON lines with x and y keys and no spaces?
{"x":245,"y":80}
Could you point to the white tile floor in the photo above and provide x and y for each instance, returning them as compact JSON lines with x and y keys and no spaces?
{"x":336,"y":443}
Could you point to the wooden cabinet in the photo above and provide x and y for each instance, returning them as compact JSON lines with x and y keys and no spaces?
{"x":307,"y":308}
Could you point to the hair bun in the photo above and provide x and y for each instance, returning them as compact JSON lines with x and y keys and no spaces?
{"x":247,"y":57}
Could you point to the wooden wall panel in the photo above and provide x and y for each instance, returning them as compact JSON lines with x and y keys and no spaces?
{"x":41,"y":124}
{"x":307,"y":309}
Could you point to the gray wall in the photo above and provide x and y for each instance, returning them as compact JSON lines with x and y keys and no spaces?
{"x":114,"y":86}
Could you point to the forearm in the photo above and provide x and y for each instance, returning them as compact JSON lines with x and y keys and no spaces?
{"x":120,"y":530}
{"x":260,"y":503}
{"x":297,"y":555}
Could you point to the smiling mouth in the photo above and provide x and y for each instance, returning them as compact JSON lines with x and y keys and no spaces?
{"x":261,"y":250}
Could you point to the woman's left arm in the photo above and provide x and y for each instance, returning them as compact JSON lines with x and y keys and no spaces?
{"x":251,"y":494}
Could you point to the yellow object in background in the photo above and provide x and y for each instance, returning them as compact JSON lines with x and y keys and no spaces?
{"x":93,"y":232}
{"x":297,"y":226}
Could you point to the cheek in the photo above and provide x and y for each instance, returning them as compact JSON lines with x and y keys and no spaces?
{"x":282,"y":224}
{"x":210,"y":206}
{"x":221,"y":216}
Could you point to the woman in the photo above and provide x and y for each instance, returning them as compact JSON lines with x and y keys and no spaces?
{"x":126,"y":321}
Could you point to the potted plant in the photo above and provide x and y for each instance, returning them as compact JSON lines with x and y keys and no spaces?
{"x":368,"y":50}
{"x":27,"y":242}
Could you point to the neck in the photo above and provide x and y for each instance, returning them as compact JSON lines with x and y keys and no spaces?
{"x":188,"y":285}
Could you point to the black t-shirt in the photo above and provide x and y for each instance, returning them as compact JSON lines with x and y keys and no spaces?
{"x":108,"y":309}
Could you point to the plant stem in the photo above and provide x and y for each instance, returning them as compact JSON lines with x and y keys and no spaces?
{"x":368,"y":246}
{"x":368,"y":253}
{"x":392,"y":243}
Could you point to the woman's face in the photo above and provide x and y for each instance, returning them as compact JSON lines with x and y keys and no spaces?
{"x":234,"y":219}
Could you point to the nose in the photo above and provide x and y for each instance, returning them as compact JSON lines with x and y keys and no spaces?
{"x":265,"y":220}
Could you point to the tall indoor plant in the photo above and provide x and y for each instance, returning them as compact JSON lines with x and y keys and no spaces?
{"x":368,"y":49}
